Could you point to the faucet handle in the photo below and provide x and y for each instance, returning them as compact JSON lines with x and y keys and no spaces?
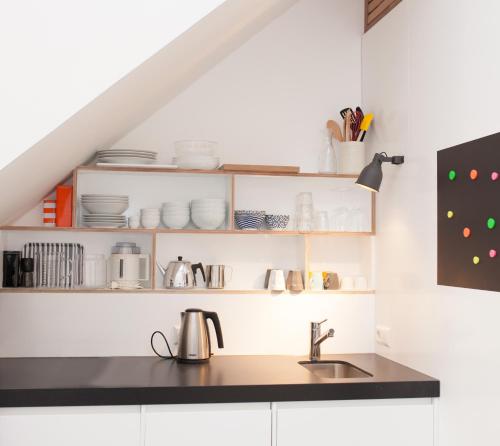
{"x":331,"y":332}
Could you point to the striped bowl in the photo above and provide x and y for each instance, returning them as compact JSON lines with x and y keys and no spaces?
{"x":249,"y":219}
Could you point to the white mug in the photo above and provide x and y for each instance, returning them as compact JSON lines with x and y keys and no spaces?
{"x":360,"y":283}
{"x":316,"y":281}
{"x":347,"y":283}
{"x":277,"y":280}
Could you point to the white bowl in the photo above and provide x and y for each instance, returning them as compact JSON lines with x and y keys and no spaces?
{"x":175,"y":204}
{"x":105,"y":207}
{"x":208,"y":200}
{"x":194,"y":147}
{"x":197,"y":162}
{"x":175,"y":221}
{"x":150,"y":223}
{"x":206,"y":222}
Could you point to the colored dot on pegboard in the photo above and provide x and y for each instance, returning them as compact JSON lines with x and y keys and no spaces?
{"x":466,"y":232}
{"x":493,"y":253}
{"x":494,"y":176}
{"x":473,"y":174}
{"x":450,"y":214}
{"x":452,"y":175}
{"x":475,"y":260}
{"x":491,"y":223}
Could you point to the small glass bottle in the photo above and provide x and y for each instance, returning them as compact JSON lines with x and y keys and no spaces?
{"x":327,"y":156}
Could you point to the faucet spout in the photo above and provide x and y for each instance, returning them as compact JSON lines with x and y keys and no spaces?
{"x":317,"y":339}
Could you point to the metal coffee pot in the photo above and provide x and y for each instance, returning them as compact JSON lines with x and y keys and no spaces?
{"x":180,"y":274}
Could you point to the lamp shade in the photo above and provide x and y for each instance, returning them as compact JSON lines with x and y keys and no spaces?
{"x":371,"y":176}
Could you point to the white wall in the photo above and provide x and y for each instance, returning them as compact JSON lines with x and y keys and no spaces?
{"x":57,"y":56}
{"x":431,"y":78}
{"x":266,"y":103}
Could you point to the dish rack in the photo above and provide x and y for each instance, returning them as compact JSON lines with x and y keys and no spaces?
{"x":57,"y":265}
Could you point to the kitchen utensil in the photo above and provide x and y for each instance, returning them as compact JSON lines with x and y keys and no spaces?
{"x":128,"y":270}
{"x":294,"y":281}
{"x":277,"y":222}
{"x":94,"y":271}
{"x":276,"y":280}
{"x":11,"y":269}
{"x":150,"y":218}
{"x":316,"y":280}
{"x":105,"y":204}
{"x":194,"y":336}
{"x":344,"y":113}
{"x":216,"y":276}
{"x":331,"y":281}
{"x":259,"y":168}
{"x":180,"y":274}
{"x":365,"y":125}
{"x":208,"y":213}
{"x":335,"y":130}
{"x":347,"y":125}
{"x":249,"y":220}
{"x":125,"y":156}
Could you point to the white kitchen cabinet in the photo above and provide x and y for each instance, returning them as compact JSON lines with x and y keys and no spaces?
{"x":241,"y":424}
{"x":75,"y":426}
{"x":408,"y":422}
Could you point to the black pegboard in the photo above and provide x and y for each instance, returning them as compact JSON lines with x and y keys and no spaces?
{"x":472,"y":203}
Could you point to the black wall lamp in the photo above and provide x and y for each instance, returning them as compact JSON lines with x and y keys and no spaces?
{"x":371,"y":176}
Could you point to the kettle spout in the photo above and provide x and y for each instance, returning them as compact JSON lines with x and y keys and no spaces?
{"x":163,"y":270}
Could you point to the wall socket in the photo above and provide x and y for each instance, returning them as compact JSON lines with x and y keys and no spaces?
{"x":383,"y":335}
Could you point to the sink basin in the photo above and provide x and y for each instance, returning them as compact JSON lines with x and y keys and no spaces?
{"x":334,"y":369}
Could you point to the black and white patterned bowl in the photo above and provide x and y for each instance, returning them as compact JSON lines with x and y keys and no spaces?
{"x":249,"y":219}
{"x":277,"y":221}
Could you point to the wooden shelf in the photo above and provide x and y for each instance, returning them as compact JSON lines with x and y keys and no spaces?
{"x":186,"y":231}
{"x":165,"y":291}
{"x":147,"y":169}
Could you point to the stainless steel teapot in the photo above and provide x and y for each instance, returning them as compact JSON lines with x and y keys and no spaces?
{"x":180,"y":273}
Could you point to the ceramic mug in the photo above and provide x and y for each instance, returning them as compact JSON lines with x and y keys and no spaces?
{"x":347,"y":283}
{"x":276,"y":280}
{"x":316,"y":280}
{"x":294,"y":281}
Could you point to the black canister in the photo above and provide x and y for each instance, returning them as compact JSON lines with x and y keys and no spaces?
{"x":11,"y":269}
{"x":27,"y":269}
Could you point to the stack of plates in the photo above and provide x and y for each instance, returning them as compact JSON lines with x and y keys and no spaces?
{"x":125,"y":156}
{"x":104,"y":210}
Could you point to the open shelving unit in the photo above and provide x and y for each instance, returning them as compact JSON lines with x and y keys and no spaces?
{"x":274,"y":192}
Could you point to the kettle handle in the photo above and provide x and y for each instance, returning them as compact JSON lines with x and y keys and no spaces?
{"x":198,"y":266}
{"x":212,"y":315}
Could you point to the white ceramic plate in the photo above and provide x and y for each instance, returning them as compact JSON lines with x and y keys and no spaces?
{"x":125,"y":160}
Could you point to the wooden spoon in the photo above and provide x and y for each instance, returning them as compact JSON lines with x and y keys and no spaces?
{"x":334,"y":129}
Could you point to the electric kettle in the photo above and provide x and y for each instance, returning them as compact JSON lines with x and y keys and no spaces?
{"x":194,"y":337}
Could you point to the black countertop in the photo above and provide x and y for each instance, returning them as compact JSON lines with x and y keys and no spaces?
{"x":134,"y":380}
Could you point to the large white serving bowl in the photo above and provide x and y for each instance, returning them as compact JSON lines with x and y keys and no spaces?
{"x":195,"y":147}
{"x":208,"y":221}
{"x":202,"y":162}
{"x":105,"y":207}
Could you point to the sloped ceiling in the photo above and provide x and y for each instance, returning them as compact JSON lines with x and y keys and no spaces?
{"x":29,"y":178}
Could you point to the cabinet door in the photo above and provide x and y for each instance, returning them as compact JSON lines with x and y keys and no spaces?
{"x":75,"y":426}
{"x":356,"y":423}
{"x":246,"y":424}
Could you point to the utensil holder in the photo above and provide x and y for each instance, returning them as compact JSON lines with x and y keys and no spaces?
{"x":351,"y":157}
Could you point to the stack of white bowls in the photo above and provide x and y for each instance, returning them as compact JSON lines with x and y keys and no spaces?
{"x":196,"y":154}
{"x":104,"y":211}
{"x":208,"y":213}
{"x":175,"y":214}
{"x":150,"y":218}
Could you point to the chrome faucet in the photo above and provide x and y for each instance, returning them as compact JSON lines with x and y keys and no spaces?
{"x":317,"y":338}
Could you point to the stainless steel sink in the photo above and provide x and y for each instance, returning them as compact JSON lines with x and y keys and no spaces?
{"x":334,"y":369}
